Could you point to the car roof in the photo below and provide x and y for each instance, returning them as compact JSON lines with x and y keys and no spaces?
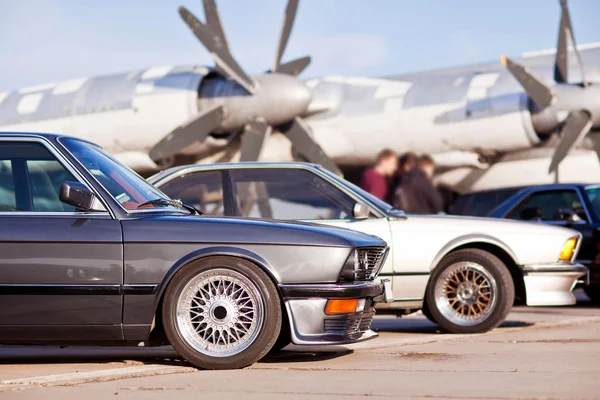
{"x":551,"y":186}
{"x":33,"y":134}
{"x":53,"y":137}
{"x":231,"y":165}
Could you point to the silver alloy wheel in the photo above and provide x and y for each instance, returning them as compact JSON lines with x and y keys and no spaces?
{"x":220,"y":312}
{"x":466,"y":293}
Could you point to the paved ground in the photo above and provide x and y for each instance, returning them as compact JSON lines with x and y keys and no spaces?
{"x":545,"y":353}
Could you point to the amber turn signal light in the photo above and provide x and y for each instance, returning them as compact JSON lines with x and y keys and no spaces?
{"x":567,"y":252}
{"x":341,"y":306}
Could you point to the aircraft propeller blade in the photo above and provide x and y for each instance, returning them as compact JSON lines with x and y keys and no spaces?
{"x":297,"y":133}
{"x":294,"y":67}
{"x":218,"y":51}
{"x":195,"y":130}
{"x":286,"y":29}
{"x":537,"y":90}
{"x":253,"y":138}
{"x":565,"y":34}
{"x":577,"y":125}
{"x":214,"y":22}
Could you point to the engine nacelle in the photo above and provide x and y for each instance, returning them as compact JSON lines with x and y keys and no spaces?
{"x":278,"y":98}
{"x":492,"y":123}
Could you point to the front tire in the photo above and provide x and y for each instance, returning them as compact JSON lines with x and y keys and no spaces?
{"x":470,"y":291}
{"x":221,"y":313}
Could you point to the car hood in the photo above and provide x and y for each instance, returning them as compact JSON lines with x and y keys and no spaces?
{"x":489,"y":225}
{"x":528,"y":243}
{"x":209,"y":229}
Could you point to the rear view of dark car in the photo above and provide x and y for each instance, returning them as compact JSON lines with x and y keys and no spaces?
{"x":576,"y":206}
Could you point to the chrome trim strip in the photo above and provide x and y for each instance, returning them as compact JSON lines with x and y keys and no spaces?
{"x":58,"y":289}
{"x":416,"y":273}
{"x":139,"y":289}
{"x":56,"y":214}
{"x":554,"y":268}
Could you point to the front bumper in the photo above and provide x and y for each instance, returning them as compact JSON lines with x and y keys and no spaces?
{"x":552,"y":284}
{"x":309,"y":325}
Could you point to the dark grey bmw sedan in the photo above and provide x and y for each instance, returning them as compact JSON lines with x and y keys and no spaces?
{"x":90,"y":253}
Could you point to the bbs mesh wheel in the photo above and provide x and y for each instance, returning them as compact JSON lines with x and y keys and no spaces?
{"x":222,"y":313}
{"x":470,"y":291}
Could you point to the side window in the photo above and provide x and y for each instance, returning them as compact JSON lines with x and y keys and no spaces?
{"x":481,"y":204}
{"x":288,"y":194}
{"x":30,"y":178}
{"x":555,"y":205}
{"x":203,"y":190}
{"x":8,"y":201}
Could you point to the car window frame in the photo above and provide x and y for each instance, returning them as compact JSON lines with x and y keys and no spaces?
{"x":65,"y":163}
{"x":233,"y":190}
{"x":529,"y":194}
{"x":377,"y":212}
{"x":117,"y":210}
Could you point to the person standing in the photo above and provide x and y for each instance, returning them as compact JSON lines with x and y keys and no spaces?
{"x":375,"y":180}
{"x":397,"y":198}
{"x":420,"y":194}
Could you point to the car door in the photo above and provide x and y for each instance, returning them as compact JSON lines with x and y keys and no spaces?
{"x":300,"y":194}
{"x":61,"y":270}
{"x":561,"y":207}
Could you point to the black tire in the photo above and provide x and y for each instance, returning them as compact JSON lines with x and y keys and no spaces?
{"x":593,"y":292}
{"x":285,"y":335}
{"x":426,"y":312}
{"x":268,"y":330}
{"x":488,"y":264}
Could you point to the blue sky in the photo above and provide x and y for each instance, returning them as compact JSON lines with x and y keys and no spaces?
{"x":50,"y":40}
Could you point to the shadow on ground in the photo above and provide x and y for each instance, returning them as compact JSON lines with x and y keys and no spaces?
{"x":164,"y":355}
{"x":299,"y":355}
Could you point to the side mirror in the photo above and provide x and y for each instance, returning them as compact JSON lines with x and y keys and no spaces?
{"x":79,"y":196}
{"x":361,"y":211}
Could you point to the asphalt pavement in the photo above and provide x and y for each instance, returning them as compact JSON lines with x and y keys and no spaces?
{"x":538,"y":353}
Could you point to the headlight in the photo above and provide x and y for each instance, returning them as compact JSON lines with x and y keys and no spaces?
{"x":350,"y":267}
{"x":568,"y":248}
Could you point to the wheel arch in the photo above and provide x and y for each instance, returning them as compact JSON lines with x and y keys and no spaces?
{"x":157,"y":330}
{"x":493,"y":246}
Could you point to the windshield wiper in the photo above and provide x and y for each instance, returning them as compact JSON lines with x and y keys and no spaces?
{"x":172,"y":203}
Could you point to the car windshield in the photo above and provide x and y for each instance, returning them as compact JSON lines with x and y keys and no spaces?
{"x":127,"y":187}
{"x":380,"y":204}
{"x":593,"y":195}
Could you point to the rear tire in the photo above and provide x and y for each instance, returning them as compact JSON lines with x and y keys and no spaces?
{"x":221,"y":313}
{"x":470,"y":291}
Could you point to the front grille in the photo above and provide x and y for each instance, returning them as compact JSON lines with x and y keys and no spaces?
{"x":351,"y":326}
{"x":370,"y":261}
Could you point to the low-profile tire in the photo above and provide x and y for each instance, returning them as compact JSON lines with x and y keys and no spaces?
{"x":285,"y":334}
{"x":221,"y":313}
{"x":470,"y":291}
{"x":426,"y":312}
{"x":593,"y":292}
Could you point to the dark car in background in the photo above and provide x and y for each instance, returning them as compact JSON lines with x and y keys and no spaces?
{"x":576,"y":206}
{"x":91,"y":253}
